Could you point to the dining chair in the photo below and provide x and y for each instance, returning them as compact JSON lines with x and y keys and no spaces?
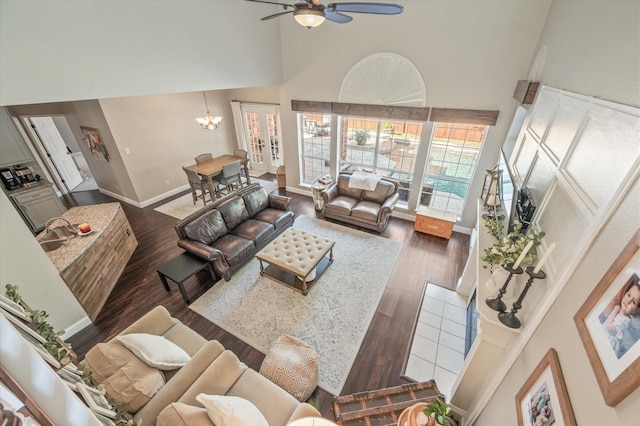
{"x":203,"y":157}
{"x":231,"y":176}
{"x":196,"y":184}
{"x":242,"y":154}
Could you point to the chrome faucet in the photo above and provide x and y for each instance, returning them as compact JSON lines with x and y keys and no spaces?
{"x":68,"y":226}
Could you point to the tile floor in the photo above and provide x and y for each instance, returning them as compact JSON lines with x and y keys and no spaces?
{"x":437,"y":351}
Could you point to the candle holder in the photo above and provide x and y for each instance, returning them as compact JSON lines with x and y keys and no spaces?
{"x":509,"y":318}
{"x":496,"y":303}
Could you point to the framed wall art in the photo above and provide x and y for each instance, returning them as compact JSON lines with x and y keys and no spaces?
{"x":543,"y":399}
{"x":95,"y":143}
{"x":609,"y":326}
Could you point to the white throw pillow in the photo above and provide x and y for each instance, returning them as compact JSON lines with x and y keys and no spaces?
{"x":155,"y":351}
{"x":231,"y":410}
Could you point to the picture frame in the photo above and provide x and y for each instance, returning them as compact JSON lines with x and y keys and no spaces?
{"x":614,"y":353}
{"x":13,"y":308}
{"x":95,"y":400}
{"x":69,"y":377}
{"x":106,"y":421}
{"x":95,"y":143}
{"x":543,"y":399}
{"x":24,"y":329}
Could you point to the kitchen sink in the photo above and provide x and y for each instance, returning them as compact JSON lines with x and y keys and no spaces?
{"x":52,"y":245}
{"x":57,"y":237}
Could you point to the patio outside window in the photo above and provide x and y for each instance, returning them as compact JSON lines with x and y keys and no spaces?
{"x":453,"y":155}
{"x":315,"y":145}
{"x":388,"y":147}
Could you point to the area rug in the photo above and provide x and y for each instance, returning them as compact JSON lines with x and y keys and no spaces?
{"x":183,"y":206}
{"x":333,"y":317}
{"x":256,"y":173}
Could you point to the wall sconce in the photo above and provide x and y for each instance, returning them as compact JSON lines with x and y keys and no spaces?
{"x":209,"y":122}
{"x":491,"y":189}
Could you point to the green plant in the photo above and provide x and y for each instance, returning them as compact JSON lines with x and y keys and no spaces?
{"x":508,"y":249}
{"x":12,"y":293}
{"x":439,"y":411}
{"x":492,"y":224}
{"x":61,"y":352}
{"x":361,"y":136}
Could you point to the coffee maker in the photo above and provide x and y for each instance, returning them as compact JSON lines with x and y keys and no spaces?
{"x":25,"y":175}
{"x":9,"y":179}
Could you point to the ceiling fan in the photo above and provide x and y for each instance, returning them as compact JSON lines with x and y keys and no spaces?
{"x":310,"y":13}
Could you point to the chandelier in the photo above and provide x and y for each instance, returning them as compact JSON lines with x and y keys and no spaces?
{"x":209,"y":122}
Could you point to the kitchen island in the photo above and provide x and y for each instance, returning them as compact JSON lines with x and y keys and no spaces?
{"x":91,"y":264}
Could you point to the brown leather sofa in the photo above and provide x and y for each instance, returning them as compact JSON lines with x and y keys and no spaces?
{"x":231,"y":230}
{"x":369,"y":209}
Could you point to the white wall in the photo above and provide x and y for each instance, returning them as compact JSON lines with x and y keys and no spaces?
{"x":470,"y":54}
{"x":584,"y":33}
{"x":64,"y":50}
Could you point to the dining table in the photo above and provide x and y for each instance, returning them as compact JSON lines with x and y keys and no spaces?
{"x":210,"y":168}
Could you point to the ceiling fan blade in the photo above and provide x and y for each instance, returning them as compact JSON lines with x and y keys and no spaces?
{"x":376,"y":8}
{"x":275,"y":15}
{"x":271,"y":2}
{"x":337,"y":17}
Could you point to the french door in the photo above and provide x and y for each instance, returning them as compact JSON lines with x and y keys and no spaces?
{"x":261,"y":125}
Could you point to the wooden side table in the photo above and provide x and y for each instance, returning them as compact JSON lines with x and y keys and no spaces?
{"x":435,"y":222}
{"x":181,"y":268}
{"x":382,"y":407}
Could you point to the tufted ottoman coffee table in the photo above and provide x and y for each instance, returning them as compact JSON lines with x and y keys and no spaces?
{"x":296,"y":259}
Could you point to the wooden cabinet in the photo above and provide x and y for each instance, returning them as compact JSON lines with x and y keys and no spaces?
{"x":13,"y":149}
{"x":435,"y":222}
{"x":38,"y":206}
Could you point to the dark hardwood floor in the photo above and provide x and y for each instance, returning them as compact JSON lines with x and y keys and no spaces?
{"x":382,"y":356}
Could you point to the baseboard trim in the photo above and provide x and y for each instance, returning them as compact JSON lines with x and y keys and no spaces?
{"x":120,"y":197}
{"x":164,"y":195}
{"x":76,"y":327}
{"x":148,"y":202}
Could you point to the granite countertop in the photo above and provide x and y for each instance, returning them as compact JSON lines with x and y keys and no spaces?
{"x":98,"y":216}
{"x":36,"y":185}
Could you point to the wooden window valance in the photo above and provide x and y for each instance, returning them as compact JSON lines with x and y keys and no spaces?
{"x":441,"y":115}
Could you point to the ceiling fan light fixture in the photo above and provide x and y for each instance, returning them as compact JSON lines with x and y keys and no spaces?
{"x":309,"y":18}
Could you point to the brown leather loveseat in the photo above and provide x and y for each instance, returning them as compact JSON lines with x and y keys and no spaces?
{"x":231,"y":230}
{"x":367,"y":208}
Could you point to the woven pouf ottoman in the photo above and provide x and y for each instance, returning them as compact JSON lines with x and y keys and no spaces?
{"x":293,"y":365}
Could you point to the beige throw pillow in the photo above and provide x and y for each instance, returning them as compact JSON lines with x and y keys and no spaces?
{"x":180,"y":414}
{"x":128,"y":380}
{"x":231,"y":410}
{"x":155,"y":351}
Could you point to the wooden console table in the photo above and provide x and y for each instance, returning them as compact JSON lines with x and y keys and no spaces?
{"x":382,"y":407}
{"x":435,"y":222}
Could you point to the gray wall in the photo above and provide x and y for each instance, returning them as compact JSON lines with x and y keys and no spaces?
{"x":583,"y":40}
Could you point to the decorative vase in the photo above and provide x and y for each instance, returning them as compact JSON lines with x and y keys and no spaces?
{"x":498,"y":276}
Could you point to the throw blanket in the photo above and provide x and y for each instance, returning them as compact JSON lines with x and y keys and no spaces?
{"x":362,"y":180}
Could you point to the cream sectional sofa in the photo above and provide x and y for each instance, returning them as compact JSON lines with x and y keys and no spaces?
{"x":211,"y":370}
